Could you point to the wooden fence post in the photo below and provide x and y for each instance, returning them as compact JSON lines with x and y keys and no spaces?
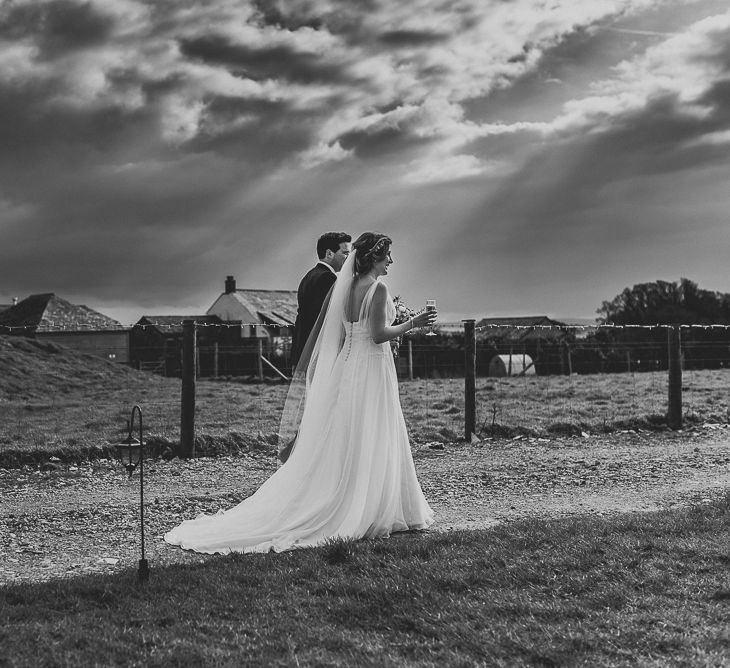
{"x":566,"y":363}
{"x":187,"y":408}
{"x":410,"y":359}
{"x":215,"y":360}
{"x":570,"y":360}
{"x":470,"y":369}
{"x":261,"y":360}
{"x":674,"y":412}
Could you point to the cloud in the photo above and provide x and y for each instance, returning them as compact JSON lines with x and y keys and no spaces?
{"x":627,"y":31}
{"x":339,"y":62}
{"x":280,"y":61}
{"x":685,"y":68}
{"x":620,"y":173}
{"x":411,"y":38}
{"x":200,"y":130}
{"x":448,"y":168}
{"x":441,"y":59}
{"x":718,"y":138}
{"x":56,"y":27}
{"x":666,"y":110}
{"x":323,"y":154}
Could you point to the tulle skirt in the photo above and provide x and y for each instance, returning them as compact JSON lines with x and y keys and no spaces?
{"x":351,"y":474}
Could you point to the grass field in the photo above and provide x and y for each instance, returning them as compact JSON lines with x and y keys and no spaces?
{"x":645,"y":589}
{"x":57,"y":402}
{"x":648,"y":589}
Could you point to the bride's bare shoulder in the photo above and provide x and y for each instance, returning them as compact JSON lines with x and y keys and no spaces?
{"x":381,"y":292}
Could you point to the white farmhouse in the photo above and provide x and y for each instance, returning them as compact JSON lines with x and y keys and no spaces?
{"x":268,"y":314}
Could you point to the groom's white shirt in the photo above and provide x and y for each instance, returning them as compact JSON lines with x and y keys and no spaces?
{"x":329,"y":266}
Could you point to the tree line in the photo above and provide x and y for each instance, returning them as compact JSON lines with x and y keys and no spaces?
{"x":664,"y":303}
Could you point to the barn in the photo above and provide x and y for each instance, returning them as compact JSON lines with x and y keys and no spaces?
{"x":48,"y":317}
{"x":155,"y":343}
{"x":246,"y":332}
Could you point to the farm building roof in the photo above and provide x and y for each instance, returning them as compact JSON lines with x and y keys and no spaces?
{"x":48,"y":312}
{"x":273,"y":307}
{"x":172,"y":324}
{"x":523,"y":328}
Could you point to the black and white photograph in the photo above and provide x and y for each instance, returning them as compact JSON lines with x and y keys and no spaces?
{"x":364,"y":333}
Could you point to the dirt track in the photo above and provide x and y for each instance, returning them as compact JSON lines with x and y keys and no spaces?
{"x":83,"y":519}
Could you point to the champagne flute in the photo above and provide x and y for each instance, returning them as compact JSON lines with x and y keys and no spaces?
{"x":430,"y":306}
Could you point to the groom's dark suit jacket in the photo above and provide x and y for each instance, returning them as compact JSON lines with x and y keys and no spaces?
{"x":312,"y":291}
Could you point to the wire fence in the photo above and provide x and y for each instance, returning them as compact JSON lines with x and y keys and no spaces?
{"x":527,"y":381}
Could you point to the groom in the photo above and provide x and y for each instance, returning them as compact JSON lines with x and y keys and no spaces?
{"x":332,"y":251}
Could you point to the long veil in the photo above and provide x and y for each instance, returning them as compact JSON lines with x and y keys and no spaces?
{"x":312,"y":380}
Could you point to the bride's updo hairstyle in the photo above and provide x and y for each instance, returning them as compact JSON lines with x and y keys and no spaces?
{"x":370,"y":247}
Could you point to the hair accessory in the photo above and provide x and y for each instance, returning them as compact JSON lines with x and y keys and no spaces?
{"x":381,"y":243}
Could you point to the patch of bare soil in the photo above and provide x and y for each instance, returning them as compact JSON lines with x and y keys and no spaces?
{"x":85,"y":518}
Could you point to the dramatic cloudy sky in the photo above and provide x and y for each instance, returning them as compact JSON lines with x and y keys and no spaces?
{"x":527,"y":156}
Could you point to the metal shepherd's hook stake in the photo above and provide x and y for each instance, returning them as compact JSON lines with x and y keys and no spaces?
{"x":132,"y":450}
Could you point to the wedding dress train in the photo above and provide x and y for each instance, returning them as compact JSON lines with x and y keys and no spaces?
{"x":350,"y":475}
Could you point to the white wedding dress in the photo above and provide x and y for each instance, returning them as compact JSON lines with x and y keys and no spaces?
{"x":350,"y":475}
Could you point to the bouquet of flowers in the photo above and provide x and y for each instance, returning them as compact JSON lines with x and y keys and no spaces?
{"x":402,"y":314}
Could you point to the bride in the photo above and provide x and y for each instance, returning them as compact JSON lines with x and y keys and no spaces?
{"x":350,"y":473}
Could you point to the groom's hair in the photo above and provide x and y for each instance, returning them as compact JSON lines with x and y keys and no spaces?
{"x":331,"y":241}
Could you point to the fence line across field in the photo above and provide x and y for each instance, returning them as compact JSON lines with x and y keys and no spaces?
{"x":190,"y":364}
{"x":50,"y":325}
{"x":541,"y":348}
{"x":650,"y":363}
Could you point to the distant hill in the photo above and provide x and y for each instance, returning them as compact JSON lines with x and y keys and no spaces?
{"x":32,"y":370}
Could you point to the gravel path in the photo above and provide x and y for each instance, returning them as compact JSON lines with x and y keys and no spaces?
{"x":83,"y":519}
